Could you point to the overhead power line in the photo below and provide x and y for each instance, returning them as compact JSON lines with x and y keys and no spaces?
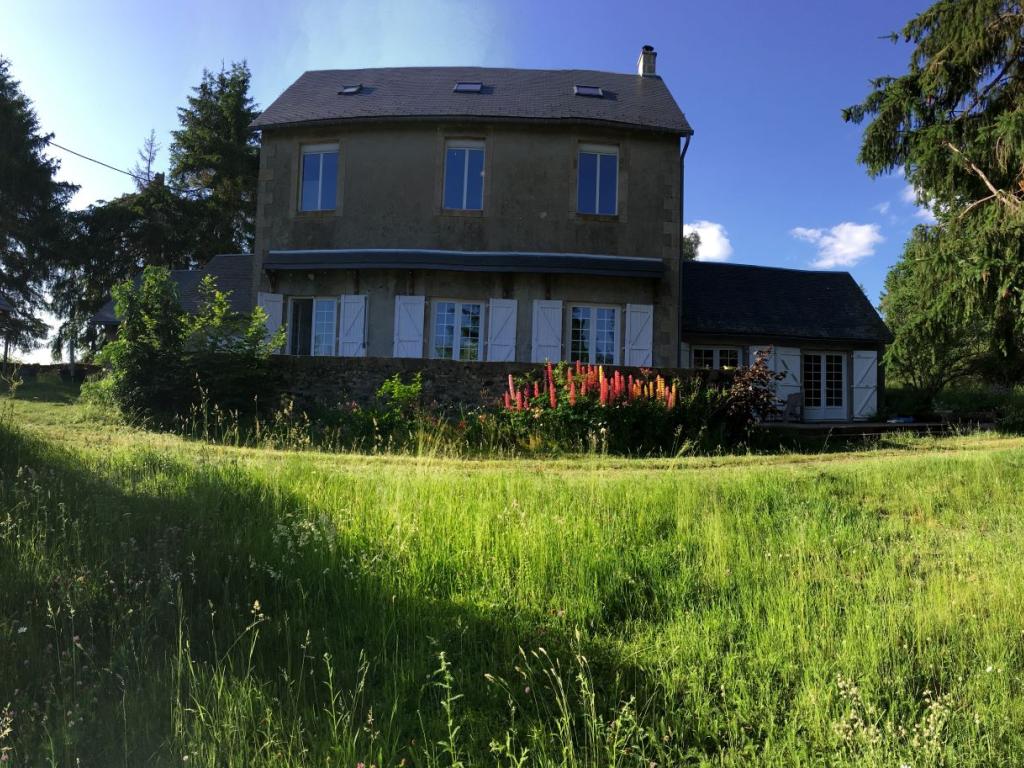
{"x":143,"y":179}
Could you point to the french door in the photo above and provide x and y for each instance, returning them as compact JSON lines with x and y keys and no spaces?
{"x":824,"y":385}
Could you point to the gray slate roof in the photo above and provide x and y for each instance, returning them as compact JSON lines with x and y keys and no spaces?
{"x":233,"y":272}
{"x":422,"y":93}
{"x":747,"y":300}
{"x":465,"y":261}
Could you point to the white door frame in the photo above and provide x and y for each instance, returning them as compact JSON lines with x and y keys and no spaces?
{"x":822,"y":411}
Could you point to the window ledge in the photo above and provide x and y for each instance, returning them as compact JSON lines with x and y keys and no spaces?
{"x":317,"y":214}
{"x":459,"y":213}
{"x":611,"y":217}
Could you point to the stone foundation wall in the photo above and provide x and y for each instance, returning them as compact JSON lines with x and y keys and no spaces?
{"x":330,"y":381}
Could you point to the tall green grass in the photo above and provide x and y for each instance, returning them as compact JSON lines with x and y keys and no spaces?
{"x":172,"y":603}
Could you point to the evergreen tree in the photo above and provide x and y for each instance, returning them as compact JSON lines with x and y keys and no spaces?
{"x":690,"y":246}
{"x":216,"y":153}
{"x":32,"y":208}
{"x":954,"y":125}
{"x":145,"y":169}
{"x":930,"y":350}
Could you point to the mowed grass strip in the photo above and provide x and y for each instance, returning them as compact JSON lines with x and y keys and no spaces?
{"x":166,"y":600}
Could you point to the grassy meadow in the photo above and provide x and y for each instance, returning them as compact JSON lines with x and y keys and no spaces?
{"x":171,"y":603}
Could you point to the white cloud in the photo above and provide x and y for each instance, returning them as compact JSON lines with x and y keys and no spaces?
{"x":926,"y":214}
{"x":883,"y":208}
{"x":925,"y":210}
{"x":843,"y":245}
{"x":714,"y":240}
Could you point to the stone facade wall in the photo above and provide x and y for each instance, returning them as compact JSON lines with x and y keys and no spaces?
{"x":390,"y":182}
{"x":330,"y":381}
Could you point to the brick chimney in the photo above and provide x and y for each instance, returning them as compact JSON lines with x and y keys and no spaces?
{"x":645,"y":63}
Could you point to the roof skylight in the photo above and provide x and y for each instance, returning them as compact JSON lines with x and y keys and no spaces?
{"x":589,"y":90}
{"x":348,"y":90}
{"x":467,"y":87}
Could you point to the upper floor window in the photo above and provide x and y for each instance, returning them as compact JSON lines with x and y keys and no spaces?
{"x":458,"y":330}
{"x":597,"y":181}
{"x":319,"y":178}
{"x":593,"y":336}
{"x":464,"y":176}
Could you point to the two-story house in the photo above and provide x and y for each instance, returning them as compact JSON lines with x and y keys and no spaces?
{"x":478,"y":214}
{"x":473,"y":214}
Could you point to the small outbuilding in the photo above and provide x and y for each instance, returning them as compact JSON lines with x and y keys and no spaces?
{"x":816,"y":327}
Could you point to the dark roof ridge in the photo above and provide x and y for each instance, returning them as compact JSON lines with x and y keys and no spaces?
{"x":453,"y":67}
{"x":425,"y":93}
{"x":769,"y":266}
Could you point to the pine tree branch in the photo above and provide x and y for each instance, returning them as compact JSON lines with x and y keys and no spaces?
{"x":975,"y":204}
{"x":1009,"y":200}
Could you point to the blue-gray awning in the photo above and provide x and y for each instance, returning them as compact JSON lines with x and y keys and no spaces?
{"x":465,"y":261}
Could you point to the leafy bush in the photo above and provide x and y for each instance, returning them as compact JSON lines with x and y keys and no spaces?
{"x":165,"y":361}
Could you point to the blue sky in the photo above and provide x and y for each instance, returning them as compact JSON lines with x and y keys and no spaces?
{"x":771,"y":175}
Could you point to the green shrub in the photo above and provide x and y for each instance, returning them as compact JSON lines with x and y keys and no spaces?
{"x":164,"y":362}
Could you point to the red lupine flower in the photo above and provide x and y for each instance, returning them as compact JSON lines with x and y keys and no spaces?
{"x":511,"y":385}
{"x":604,"y":391}
{"x":519,"y":401}
{"x":508,"y":401}
{"x":572,"y":392}
{"x":536,"y":389}
{"x":553,"y":396}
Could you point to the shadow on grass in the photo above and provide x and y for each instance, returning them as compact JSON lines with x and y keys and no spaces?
{"x":141,"y":569}
{"x":46,"y":388}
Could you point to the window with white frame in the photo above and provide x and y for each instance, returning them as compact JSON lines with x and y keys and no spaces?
{"x":716,"y":357}
{"x":319,"y":187}
{"x":457,"y":330}
{"x":597,"y":180}
{"x":593,"y":335}
{"x":312,"y":326}
{"x":464,"y":175}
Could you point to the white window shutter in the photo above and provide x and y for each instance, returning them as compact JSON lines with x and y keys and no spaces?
{"x":547,"y":331}
{"x":352,"y":328}
{"x":409,"y":311}
{"x":501,"y":331}
{"x":273,"y":305}
{"x":787,"y":361}
{"x":639,"y":334}
{"x":780,"y":360}
{"x":769,"y":353}
{"x":865,"y":384}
